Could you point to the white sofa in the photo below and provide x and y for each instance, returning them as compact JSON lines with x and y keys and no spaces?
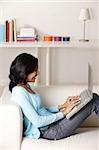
{"x":85,"y":138}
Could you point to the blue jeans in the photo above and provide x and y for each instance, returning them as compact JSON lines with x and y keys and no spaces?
{"x":66,"y":127}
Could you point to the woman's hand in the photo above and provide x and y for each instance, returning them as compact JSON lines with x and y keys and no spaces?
{"x":71,"y":102}
{"x":71,"y":98}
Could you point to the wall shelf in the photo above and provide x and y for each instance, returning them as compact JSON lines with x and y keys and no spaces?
{"x":41,"y":44}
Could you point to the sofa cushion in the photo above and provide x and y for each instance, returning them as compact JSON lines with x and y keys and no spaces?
{"x":6,"y":95}
{"x":86,"y":140}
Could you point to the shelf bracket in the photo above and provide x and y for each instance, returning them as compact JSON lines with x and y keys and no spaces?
{"x":38,"y":56}
{"x":48,"y":66}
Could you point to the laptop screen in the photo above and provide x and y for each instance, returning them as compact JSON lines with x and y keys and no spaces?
{"x":90,"y":78}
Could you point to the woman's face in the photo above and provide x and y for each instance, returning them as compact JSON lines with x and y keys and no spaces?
{"x":32,"y":76}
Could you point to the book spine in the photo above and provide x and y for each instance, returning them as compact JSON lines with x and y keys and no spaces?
{"x":6,"y":27}
{"x":1,"y":33}
{"x":11,"y":35}
{"x":12,"y":30}
{"x":26,"y":40}
{"x":14,"y":21}
{"x":4,"y":32}
{"x":8,"y":31}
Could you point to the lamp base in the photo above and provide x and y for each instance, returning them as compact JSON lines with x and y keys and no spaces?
{"x":83,"y":40}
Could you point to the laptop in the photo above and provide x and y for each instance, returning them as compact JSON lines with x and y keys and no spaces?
{"x":85,"y":96}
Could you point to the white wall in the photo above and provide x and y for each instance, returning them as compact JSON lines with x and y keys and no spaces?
{"x":56,"y":18}
{"x":98,"y":20}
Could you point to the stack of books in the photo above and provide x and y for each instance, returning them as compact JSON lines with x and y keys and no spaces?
{"x":8,"y":31}
{"x":27,"y":34}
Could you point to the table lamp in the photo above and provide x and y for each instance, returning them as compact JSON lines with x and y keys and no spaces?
{"x":84,"y":16}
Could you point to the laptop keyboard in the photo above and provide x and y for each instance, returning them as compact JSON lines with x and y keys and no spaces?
{"x":86,"y":95}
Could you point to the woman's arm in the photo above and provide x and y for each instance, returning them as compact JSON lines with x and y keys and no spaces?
{"x":53,"y":109}
{"x":20,"y":96}
{"x":63,"y":106}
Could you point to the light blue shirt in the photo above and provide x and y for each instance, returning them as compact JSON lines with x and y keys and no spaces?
{"x":35,"y":116}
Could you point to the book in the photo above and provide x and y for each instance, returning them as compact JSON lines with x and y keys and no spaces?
{"x":21,"y":38}
{"x":7,"y":30}
{"x":11,"y":33}
{"x":30,"y":40}
{"x":24,"y":36}
{"x":14,"y":21}
{"x":2,"y":32}
{"x":27,"y":31}
{"x":13,"y":30}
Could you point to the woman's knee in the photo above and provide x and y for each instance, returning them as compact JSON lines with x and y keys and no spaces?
{"x":95,"y":96}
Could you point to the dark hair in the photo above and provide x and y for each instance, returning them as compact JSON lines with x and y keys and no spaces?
{"x":20,"y":68}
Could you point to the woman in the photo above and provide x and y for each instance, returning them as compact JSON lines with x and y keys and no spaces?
{"x":38,"y":121}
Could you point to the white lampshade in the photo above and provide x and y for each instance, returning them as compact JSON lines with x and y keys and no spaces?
{"x":84,"y":14}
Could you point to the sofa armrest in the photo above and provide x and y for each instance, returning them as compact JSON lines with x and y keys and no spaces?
{"x":10,"y":127}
